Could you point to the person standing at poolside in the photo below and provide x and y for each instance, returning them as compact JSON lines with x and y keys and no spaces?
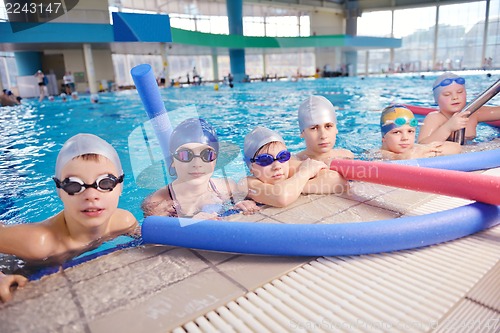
{"x":278,"y":180}
{"x":398,"y":126}
{"x":42,"y":84}
{"x":194,"y":147}
{"x":88,"y":177}
{"x":318,"y":128}
{"x":69,"y":82}
{"x":451,"y":96}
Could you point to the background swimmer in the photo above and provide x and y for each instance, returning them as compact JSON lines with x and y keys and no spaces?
{"x":398,"y":126}
{"x":278,"y":180}
{"x":88,"y":178}
{"x":194,"y":147}
{"x":318,"y":128}
{"x":451,"y":96}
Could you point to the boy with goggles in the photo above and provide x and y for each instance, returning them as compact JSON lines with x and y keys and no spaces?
{"x":278,"y":180}
{"x":88,"y":178}
{"x":194,"y":146}
{"x":318,"y":127}
{"x":398,"y":126}
{"x":451,"y":96}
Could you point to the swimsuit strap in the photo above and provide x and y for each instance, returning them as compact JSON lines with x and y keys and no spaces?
{"x":171,"y":193}
{"x":214,"y":188}
{"x":177,"y":205}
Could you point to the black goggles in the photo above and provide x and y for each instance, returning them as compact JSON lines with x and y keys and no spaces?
{"x":268,"y":159}
{"x":186,"y":155}
{"x":74,"y":185}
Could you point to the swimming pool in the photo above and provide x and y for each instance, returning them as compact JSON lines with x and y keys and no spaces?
{"x":32,"y":134}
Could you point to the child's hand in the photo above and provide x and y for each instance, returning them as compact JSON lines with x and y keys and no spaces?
{"x":312,"y":167}
{"x":9,"y":283}
{"x":159,"y":208}
{"x":458,"y":121}
{"x":248,"y":207}
{"x":427,"y":150}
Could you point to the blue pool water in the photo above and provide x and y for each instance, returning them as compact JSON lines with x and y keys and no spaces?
{"x":33,"y":134}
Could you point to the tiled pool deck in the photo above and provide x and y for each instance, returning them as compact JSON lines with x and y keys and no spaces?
{"x":451,"y":287}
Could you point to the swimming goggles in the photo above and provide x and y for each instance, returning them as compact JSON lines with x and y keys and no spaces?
{"x":400,"y":121}
{"x":447,"y":82}
{"x":268,"y":159}
{"x":74,"y":185}
{"x":186,"y":155}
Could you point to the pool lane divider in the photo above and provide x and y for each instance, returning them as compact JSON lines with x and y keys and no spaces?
{"x":147,"y":87}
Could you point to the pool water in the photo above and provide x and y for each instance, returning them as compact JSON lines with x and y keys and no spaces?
{"x":32,"y":134}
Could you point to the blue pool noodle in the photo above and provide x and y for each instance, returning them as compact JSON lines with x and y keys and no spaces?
{"x":321,"y":239}
{"x":459,"y":162}
{"x":147,"y":87}
{"x":336,"y":239}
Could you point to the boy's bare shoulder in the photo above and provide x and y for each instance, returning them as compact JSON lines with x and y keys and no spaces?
{"x":301,"y":155}
{"x":342,"y":153}
{"x":124,"y":215}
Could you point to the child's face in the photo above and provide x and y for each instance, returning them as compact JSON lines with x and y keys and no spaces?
{"x":400,"y":139}
{"x":320,"y":138}
{"x":90,"y":208}
{"x":275,"y":172}
{"x":196,"y":170}
{"x":452,"y":98}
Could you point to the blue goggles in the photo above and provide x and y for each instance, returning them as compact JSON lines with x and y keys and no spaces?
{"x":447,"y":82}
{"x":268,"y":159}
{"x":398,"y":122}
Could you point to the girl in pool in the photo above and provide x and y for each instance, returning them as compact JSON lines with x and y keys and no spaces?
{"x":398,"y":126}
{"x":194,"y":147}
{"x":278,"y":180}
{"x":451,"y":96}
{"x":318,"y":127}
{"x":88,"y":178}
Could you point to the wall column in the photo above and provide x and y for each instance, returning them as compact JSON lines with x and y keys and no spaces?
{"x":215,"y":65}
{"x":236,"y":56}
{"x":352,"y":12}
{"x":89,"y":66}
{"x":164,"y":59}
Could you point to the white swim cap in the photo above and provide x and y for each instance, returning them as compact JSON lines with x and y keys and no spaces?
{"x":82,"y":144}
{"x":316,"y":110}
{"x":446,"y":77}
{"x":257,"y":138}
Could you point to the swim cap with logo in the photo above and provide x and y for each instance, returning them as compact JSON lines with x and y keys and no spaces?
{"x":396,"y":116}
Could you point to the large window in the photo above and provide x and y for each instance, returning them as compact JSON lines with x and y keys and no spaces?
{"x":8,"y":70}
{"x":416,"y":28}
{"x":460,"y":37}
{"x":459,"y":44}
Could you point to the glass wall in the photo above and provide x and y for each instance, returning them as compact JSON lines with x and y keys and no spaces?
{"x":459,"y":45}
{"x":8,"y":70}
